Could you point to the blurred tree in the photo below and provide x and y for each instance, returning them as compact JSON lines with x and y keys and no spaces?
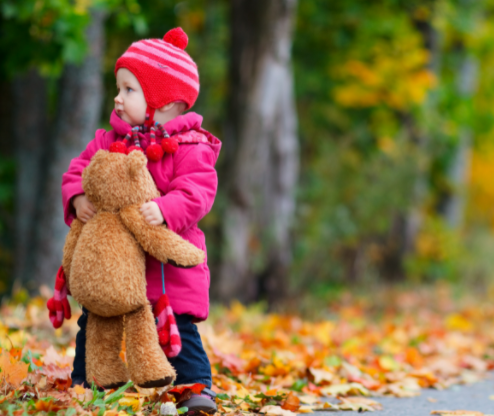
{"x":79,"y":110}
{"x":262,"y":149}
{"x":362,"y":133}
{"x":56,"y":95}
{"x":464,"y":80}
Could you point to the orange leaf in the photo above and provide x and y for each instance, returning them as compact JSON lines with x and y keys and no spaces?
{"x":16,"y":353}
{"x":292,"y":403}
{"x":49,"y":406}
{"x":272,"y":392}
{"x":78,"y":389}
{"x":13,"y":372}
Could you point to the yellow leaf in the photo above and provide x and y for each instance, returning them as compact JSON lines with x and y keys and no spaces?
{"x":458,"y":322}
{"x":242,"y":392}
{"x":78,"y":389}
{"x":133,"y":402}
{"x":345,"y":389}
{"x":388,"y":363}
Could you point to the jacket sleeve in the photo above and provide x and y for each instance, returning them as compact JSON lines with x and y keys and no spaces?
{"x":72,"y":179}
{"x":192,"y":189}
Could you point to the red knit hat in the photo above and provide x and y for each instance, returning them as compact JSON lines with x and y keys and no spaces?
{"x":165,"y":71}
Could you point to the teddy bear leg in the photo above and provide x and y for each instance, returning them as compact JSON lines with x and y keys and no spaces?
{"x":148,"y":365}
{"x":103,"y":345}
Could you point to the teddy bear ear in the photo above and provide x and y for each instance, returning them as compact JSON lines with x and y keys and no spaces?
{"x":136,"y":163}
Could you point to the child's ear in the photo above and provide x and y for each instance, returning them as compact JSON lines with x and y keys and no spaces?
{"x":136,"y":163}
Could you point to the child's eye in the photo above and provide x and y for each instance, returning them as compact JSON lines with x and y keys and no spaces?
{"x":129,"y":89}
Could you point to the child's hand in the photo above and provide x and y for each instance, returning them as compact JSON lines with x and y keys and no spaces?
{"x":83,"y":208}
{"x":152,"y":213}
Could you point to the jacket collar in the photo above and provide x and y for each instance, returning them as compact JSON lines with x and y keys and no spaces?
{"x":180,"y":124}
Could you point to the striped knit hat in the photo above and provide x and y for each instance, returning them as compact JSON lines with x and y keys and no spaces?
{"x":165,"y":71}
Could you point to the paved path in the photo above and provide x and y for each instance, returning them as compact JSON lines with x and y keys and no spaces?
{"x":468,"y":397}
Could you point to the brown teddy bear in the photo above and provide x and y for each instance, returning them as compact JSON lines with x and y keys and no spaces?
{"x":104,"y":264}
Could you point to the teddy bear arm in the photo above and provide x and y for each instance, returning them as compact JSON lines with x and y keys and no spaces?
{"x":70,"y":244}
{"x":160,"y":242}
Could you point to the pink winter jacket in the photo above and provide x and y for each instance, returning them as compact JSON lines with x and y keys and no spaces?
{"x":187,"y":182}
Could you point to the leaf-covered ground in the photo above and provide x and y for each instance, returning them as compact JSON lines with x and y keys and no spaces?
{"x":391,"y":343}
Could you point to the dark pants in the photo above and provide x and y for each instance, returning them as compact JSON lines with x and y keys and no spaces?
{"x":192,"y":364}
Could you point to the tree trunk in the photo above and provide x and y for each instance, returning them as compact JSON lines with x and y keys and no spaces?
{"x":80,"y":102}
{"x":454,"y":205}
{"x":261,"y":148}
{"x":30,"y":124}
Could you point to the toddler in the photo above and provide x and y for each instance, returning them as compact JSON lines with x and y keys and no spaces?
{"x":156,"y":82}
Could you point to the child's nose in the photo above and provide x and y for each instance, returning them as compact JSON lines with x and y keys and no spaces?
{"x":118,"y":99}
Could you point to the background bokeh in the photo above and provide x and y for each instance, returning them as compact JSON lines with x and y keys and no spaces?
{"x":390,"y":178}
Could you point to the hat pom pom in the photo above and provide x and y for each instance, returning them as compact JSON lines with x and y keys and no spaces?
{"x":177,"y":37}
{"x":169,"y":145}
{"x":154,"y":152}
{"x":118,"y":147}
{"x":132,"y":148}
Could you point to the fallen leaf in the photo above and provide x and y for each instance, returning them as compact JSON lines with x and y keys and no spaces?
{"x":306,"y":399}
{"x":345,"y":389}
{"x":53,"y":357}
{"x":277,"y":411}
{"x":321,"y":375}
{"x":47,"y":406}
{"x":78,"y":389}
{"x":359,"y":404}
{"x":291,"y":402}
{"x":13,"y":372}
{"x":133,"y":402}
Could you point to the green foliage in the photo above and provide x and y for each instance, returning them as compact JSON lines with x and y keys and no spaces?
{"x":47,"y":34}
{"x":379,"y":100}
{"x":382,"y":105}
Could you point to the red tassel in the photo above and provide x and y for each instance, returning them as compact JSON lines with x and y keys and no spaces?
{"x":169,"y":145}
{"x":132,"y":148}
{"x":154,"y":152}
{"x":118,"y":147}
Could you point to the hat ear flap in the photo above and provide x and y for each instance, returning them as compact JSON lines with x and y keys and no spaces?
{"x":136,"y":163}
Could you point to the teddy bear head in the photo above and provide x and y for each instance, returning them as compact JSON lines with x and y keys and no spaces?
{"x":113,"y":181}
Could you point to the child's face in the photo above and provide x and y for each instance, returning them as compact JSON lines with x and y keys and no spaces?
{"x":130,"y":104}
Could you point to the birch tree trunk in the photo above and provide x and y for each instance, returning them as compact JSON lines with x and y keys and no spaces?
{"x":81,"y":91}
{"x":261,"y":148}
